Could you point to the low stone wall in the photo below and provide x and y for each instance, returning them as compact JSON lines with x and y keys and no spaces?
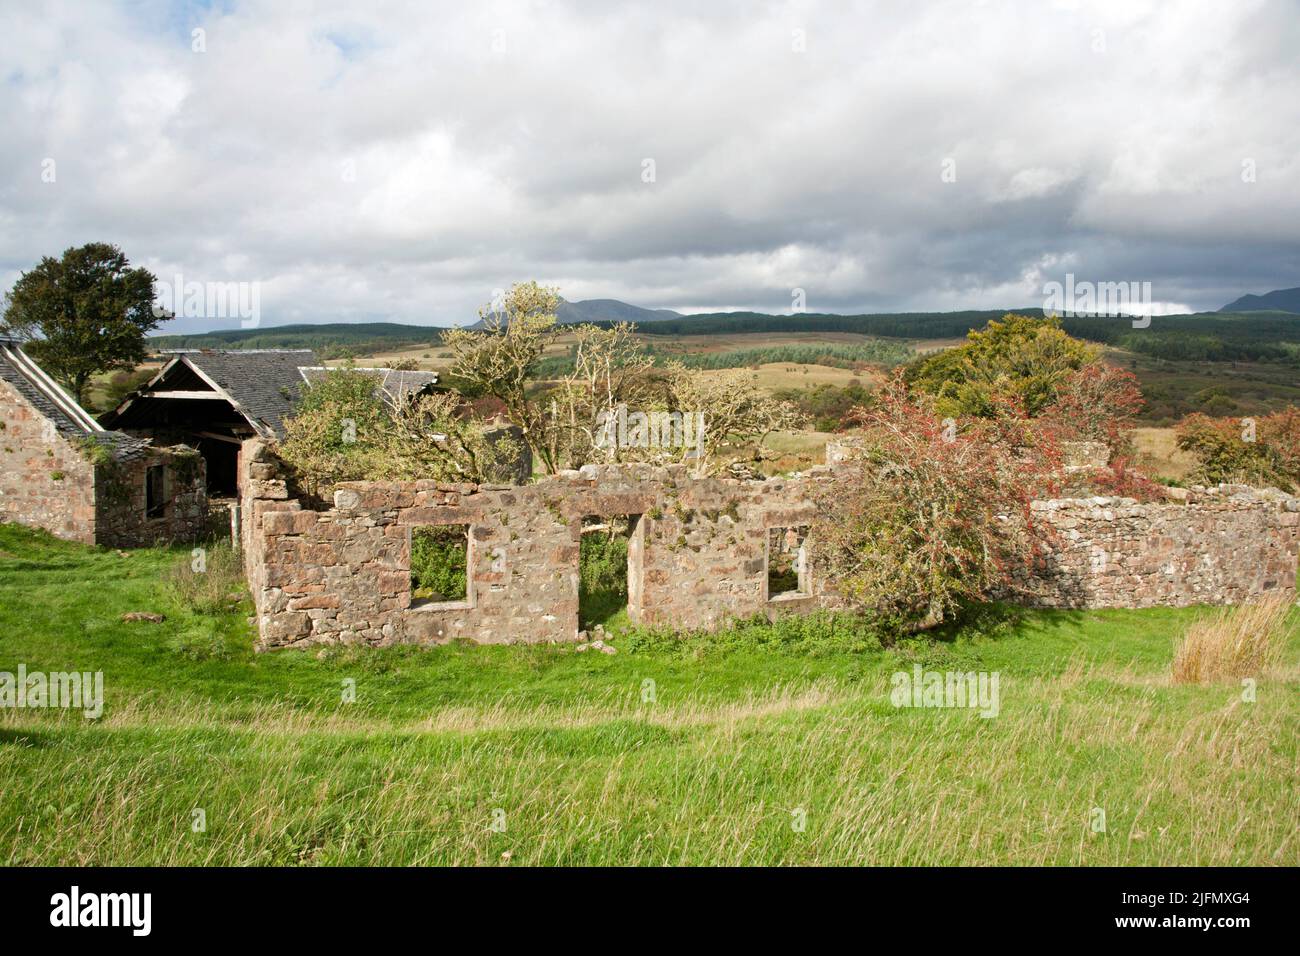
{"x":698,"y":554}
{"x":1207,"y":546}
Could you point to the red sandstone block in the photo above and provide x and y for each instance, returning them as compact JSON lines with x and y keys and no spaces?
{"x":314,"y":601}
{"x":438,"y":515}
{"x":393,"y":582}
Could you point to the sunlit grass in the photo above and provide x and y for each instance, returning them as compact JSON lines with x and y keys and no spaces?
{"x":704,"y":751}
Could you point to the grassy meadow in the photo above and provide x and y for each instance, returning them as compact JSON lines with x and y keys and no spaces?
{"x":765,"y":744}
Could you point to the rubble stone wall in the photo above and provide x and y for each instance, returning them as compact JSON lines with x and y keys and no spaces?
{"x":120,"y":500}
{"x":698,"y":554}
{"x":1208,"y":546}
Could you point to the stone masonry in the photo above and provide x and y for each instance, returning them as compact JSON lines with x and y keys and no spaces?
{"x":698,"y":554}
{"x":1205,"y":546}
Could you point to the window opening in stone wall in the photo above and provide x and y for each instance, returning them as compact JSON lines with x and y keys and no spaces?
{"x":787,"y":563}
{"x":439,"y":564}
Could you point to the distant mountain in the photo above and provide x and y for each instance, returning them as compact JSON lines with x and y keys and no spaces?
{"x":609,"y":310}
{"x":1279,"y":300}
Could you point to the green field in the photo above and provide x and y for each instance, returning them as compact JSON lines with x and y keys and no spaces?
{"x":764,"y":744}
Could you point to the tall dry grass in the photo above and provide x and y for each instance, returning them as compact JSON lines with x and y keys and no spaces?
{"x":1233,"y":643}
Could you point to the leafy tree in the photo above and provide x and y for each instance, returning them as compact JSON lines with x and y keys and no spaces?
{"x":500,"y":358}
{"x":1020,"y":356}
{"x":90,"y":309}
{"x":927,"y":518}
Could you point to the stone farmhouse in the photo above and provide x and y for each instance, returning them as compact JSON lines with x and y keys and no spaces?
{"x":63,"y":471}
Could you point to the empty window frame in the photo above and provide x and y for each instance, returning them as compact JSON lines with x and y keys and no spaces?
{"x":155,"y":485}
{"x":787,"y":563}
{"x":440,"y":566}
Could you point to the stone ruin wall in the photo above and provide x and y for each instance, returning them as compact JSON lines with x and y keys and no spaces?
{"x":45,"y":481}
{"x":121,"y":521}
{"x":1206,"y":546}
{"x":697,"y":556}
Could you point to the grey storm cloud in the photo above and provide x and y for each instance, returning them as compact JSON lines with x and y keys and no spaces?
{"x":402,"y":161}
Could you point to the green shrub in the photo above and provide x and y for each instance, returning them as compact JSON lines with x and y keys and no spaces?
{"x":603,"y":563}
{"x":438,"y":571}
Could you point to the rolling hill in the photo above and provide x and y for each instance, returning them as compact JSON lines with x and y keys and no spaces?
{"x":1279,"y":300}
{"x":609,"y":310}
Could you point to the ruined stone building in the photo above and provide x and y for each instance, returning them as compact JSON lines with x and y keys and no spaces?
{"x":701,"y":552}
{"x":62,"y":471}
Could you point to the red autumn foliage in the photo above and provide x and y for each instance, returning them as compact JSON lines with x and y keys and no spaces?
{"x":1098,"y":402}
{"x":934,"y":514}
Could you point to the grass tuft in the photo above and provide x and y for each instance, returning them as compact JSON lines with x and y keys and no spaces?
{"x":1233,"y":643}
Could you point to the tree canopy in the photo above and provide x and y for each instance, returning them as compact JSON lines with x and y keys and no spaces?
{"x":1018,"y":357}
{"x":88,"y":311}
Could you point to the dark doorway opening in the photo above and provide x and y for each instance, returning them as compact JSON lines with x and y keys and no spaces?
{"x":222,"y":461}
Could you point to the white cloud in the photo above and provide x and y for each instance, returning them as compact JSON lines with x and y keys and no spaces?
{"x":385,"y":162}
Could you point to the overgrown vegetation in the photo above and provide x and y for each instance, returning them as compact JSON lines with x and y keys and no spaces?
{"x":611,"y":371}
{"x":1264,"y":451}
{"x":439,"y":563}
{"x":928,"y":518}
{"x":345,"y":428}
{"x":602,"y":575}
{"x":208,"y":580}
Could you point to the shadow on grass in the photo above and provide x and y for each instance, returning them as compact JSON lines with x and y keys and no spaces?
{"x":997,"y":619}
{"x":24,"y":738}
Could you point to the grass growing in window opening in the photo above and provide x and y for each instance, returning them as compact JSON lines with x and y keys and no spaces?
{"x":602,"y":575}
{"x":439,"y":563}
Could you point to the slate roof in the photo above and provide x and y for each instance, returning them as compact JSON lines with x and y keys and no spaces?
{"x":262,"y":382}
{"x":53,"y":403}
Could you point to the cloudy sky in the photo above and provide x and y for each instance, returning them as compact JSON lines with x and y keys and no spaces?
{"x":399,"y":163}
